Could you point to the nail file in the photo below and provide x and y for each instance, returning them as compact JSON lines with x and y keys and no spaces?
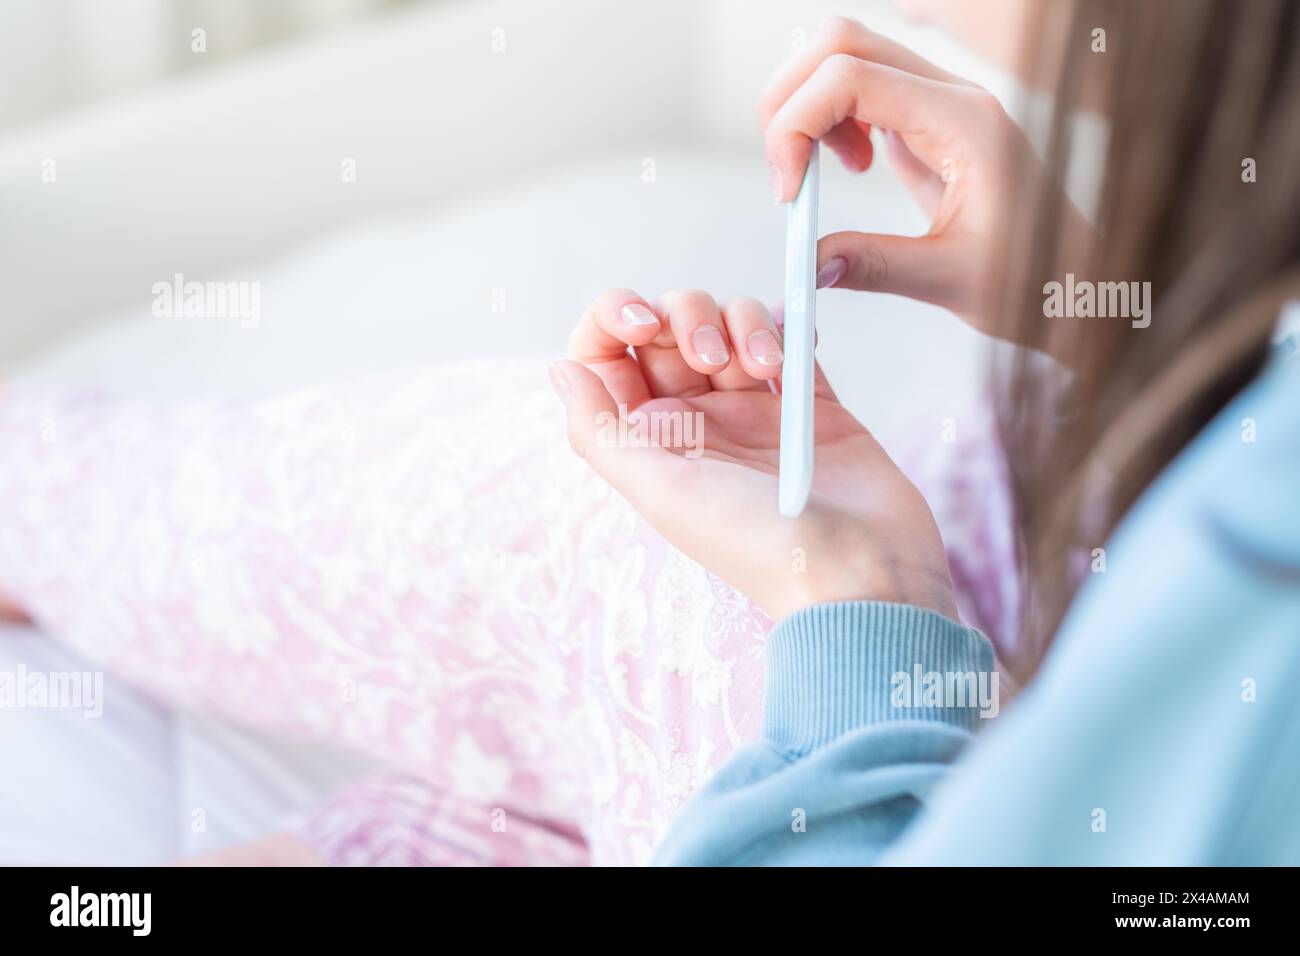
{"x":796,"y":460}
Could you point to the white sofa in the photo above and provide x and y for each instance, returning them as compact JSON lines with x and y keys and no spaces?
{"x":522,"y":171}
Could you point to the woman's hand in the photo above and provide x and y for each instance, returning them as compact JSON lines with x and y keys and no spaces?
{"x":964,"y":160}
{"x":700,"y":379}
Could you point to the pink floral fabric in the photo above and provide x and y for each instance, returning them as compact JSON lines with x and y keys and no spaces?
{"x":418,"y":567}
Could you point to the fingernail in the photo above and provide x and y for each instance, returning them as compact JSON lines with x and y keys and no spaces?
{"x":709,"y":345}
{"x":832,"y":272}
{"x":774,"y":173}
{"x":637,"y":314}
{"x":763,"y":346}
{"x":558,"y":381}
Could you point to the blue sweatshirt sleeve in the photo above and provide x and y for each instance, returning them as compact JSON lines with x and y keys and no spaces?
{"x":867,"y":704}
{"x":1162,"y":729}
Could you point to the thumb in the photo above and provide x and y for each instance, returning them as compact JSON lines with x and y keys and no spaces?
{"x":586,"y":401}
{"x":920,"y":268}
{"x":636,"y":471}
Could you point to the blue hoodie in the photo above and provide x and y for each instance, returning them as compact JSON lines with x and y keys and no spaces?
{"x":1163,"y":728}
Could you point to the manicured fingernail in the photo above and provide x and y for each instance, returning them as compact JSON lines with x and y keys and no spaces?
{"x":832,"y":272}
{"x":774,"y":173}
{"x":558,"y":381}
{"x":637,"y":314}
{"x":763,"y":346}
{"x":709,"y":345}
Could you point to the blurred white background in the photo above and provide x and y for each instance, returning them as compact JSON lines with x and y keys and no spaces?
{"x":516,"y":153}
{"x":71,"y":52}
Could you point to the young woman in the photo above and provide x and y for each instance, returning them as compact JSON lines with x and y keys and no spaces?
{"x":556,"y":677}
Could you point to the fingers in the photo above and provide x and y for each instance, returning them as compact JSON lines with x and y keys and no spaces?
{"x":821,"y":384}
{"x":926,"y":268}
{"x":755,"y":337}
{"x":925,"y":186}
{"x":843,"y":88}
{"x":699,"y":329}
{"x":737,"y":348}
{"x":649,"y":478}
{"x":839,"y":40}
{"x":851,"y":142}
{"x":691,"y":347}
{"x":616,"y":319}
{"x":840,"y":35}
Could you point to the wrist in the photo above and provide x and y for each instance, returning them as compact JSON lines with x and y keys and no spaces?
{"x":915,"y":587}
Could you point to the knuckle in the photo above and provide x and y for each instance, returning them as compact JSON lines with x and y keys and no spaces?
{"x":985,"y":103}
{"x":743,"y":307}
{"x":840,"y":31}
{"x":611,"y":300}
{"x":590,"y":315}
{"x":747,"y":302}
{"x":841,"y":67}
{"x":693,"y":300}
{"x":874,"y":266}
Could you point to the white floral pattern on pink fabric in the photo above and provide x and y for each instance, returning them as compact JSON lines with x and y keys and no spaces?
{"x":415,"y":566}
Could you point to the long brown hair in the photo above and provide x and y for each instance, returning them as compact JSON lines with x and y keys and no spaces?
{"x":1196,"y":95}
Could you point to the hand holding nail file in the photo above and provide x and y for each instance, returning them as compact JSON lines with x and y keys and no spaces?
{"x":796,"y":461}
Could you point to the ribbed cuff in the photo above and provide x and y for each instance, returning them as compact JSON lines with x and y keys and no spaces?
{"x":833,"y":668}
